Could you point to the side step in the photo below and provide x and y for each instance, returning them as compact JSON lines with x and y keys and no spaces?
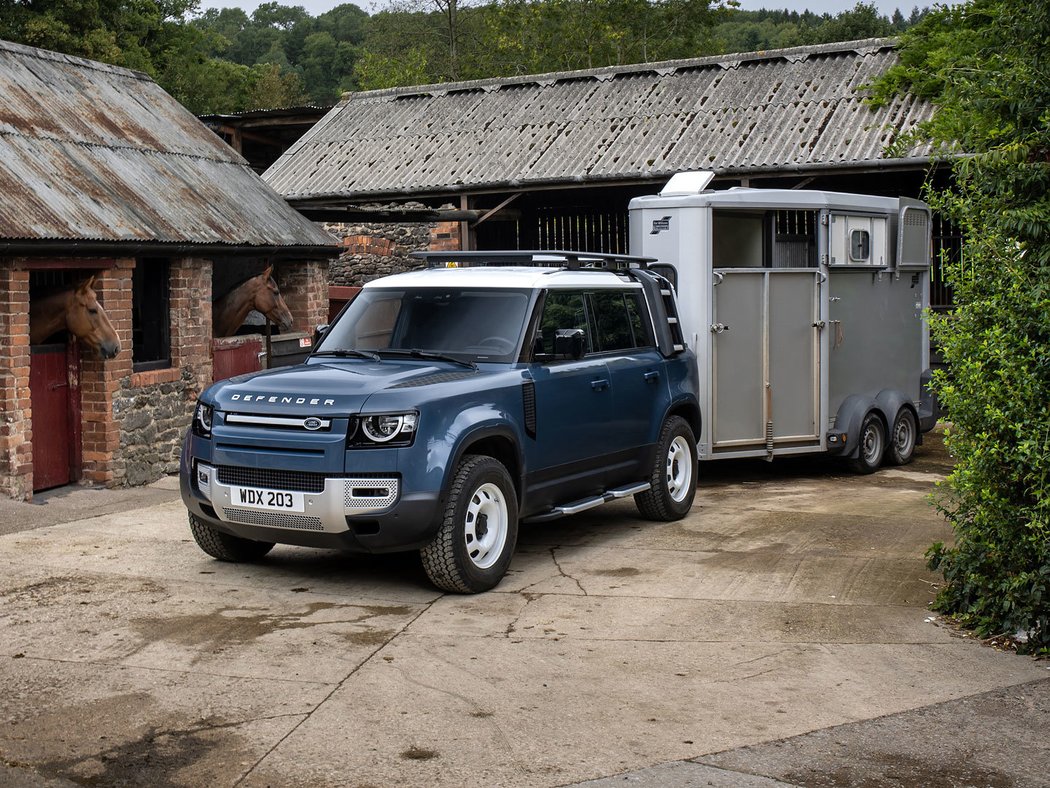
{"x":588,"y":503}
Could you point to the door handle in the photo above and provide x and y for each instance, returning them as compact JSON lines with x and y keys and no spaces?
{"x":718,"y":328}
{"x":651,"y":377}
{"x":599,"y":384}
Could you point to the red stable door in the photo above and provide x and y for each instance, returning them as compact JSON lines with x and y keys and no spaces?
{"x":54,"y":385}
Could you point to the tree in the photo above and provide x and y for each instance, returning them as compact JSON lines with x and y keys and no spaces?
{"x":984,"y":64}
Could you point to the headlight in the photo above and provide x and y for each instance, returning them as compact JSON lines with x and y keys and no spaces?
{"x":390,"y":429}
{"x":202,"y":420}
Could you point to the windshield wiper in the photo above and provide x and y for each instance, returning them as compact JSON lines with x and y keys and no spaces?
{"x":348,"y":353}
{"x":430,"y":355}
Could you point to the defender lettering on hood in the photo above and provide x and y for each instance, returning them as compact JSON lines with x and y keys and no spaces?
{"x":281,"y":400}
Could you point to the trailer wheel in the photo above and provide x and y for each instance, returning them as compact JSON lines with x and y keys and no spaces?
{"x":673,"y":476}
{"x":474,"y":545}
{"x":902,"y":438}
{"x":872,"y":445}
{"x":224,"y":546}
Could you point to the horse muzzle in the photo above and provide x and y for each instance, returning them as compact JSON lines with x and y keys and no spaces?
{"x":109,"y":349}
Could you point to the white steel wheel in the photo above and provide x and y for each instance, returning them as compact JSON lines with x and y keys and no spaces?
{"x":672,"y":479}
{"x":485,"y":526}
{"x":475,"y":541}
{"x":679,"y":469}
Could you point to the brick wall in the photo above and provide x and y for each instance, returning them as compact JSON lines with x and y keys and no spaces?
{"x":101,"y":381}
{"x":304,"y":286}
{"x":153,"y":409}
{"x":375,"y":249}
{"x":16,"y":415}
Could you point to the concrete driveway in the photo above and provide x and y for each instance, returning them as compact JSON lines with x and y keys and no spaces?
{"x":743,"y":644}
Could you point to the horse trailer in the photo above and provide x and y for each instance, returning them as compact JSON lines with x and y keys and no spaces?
{"x":806,"y":310}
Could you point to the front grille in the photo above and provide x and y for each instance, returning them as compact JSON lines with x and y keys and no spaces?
{"x":274,"y":520}
{"x":299,"y":481}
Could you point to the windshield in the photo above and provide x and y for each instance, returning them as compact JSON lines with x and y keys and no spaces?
{"x":472,"y":325}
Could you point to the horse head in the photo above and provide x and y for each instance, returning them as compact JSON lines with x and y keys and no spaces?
{"x":269,"y":301}
{"x":86,"y":320}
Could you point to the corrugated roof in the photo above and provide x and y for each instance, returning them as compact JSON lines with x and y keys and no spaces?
{"x":760,"y":112}
{"x":92,"y":152}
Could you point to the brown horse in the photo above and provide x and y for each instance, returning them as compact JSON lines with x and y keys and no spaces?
{"x":259,"y":293}
{"x":76,"y":309}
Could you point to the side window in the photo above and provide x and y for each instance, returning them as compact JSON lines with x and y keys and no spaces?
{"x":562,"y":309}
{"x":619,"y":320}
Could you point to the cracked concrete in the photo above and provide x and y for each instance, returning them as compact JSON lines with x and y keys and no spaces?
{"x":736,"y":647}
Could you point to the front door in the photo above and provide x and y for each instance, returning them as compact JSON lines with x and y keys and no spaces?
{"x":54,"y":374}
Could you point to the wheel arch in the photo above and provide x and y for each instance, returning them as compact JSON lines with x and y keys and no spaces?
{"x":890,"y":401}
{"x":498,"y":442}
{"x":690,"y":411}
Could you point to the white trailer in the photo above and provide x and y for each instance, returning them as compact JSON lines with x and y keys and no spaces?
{"x":806,"y":310}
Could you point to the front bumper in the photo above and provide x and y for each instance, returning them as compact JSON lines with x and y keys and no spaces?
{"x":363,"y":514}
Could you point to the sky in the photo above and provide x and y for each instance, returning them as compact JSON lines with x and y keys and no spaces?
{"x":886,"y":7}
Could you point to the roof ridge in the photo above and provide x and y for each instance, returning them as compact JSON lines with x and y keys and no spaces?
{"x":729,"y":60}
{"x":74,"y":60}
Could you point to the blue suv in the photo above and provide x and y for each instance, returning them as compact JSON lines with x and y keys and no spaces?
{"x":446,"y":405}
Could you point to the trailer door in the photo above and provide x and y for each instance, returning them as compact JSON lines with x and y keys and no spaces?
{"x":765,"y":360}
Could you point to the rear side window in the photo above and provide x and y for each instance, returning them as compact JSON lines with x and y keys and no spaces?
{"x":618,"y":317}
{"x":611,"y":320}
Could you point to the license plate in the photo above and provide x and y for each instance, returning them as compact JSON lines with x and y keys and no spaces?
{"x":266,"y":500}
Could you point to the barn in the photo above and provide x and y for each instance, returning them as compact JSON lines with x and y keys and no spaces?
{"x":552,"y":160}
{"x":107,"y":180}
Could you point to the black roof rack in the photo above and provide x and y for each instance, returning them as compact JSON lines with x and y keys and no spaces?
{"x":546,"y":258}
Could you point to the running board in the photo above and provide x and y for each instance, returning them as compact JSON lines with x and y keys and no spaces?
{"x":588,"y":503}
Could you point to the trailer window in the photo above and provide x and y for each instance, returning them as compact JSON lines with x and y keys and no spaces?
{"x":859,"y":246}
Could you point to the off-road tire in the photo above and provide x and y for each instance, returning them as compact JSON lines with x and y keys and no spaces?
{"x":872,"y":445}
{"x":226,"y":547}
{"x":481,"y":487}
{"x":673,"y":476}
{"x":900,"y":446}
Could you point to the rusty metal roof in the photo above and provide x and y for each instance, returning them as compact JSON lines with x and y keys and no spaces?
{"x":764,"y":112}
{"x":95,"y":153}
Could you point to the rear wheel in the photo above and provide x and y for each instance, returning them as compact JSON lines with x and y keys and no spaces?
{"x":224,"y":546}
{"x":902,"y":438}
{"x":473,"y":547}
{"x":672,"y":479}
{"x":872,"y":445}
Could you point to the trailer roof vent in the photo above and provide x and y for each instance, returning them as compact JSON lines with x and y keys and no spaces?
{"x":683,"y":183}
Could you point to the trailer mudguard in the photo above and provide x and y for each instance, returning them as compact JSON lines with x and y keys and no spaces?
{"x":856,"y":406}
{"x":889,"y":402}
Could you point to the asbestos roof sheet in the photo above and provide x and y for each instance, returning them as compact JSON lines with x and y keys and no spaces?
{"x":91,"y":152}
{"x":762,"y":112}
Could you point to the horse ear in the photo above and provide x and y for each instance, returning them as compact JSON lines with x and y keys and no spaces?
{"x":268,"y":272}
{"x":88,"y":283}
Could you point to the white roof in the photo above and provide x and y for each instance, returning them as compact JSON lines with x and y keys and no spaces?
{"x":521,"y":277}
{"x":787,"y":199}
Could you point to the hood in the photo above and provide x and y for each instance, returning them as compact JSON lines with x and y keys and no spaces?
{"x":332,"y":388}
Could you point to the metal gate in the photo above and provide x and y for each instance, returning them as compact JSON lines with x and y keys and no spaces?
{"x":766,"y":359}
{"x":54,"y":386}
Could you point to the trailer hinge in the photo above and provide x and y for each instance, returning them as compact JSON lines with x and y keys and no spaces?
{"x":824,"y":219}
{"x":823,"y":259}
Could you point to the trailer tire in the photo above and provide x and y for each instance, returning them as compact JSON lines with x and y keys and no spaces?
{"x":479,"y":529}
{"x":872,"y":445}
{"x":673,"y":477}
{"x":226,"y":547}
{"x":901,"y":445}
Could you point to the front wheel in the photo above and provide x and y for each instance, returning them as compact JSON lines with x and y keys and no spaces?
{"x":474,"y":545}
{"x":872,"y":445}
{"x":902,"y":438}
{"x":673,"y":477}
{"x":224,"y":546}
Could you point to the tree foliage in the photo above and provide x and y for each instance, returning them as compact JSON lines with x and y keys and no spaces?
{"x":985,"y":66}
{"x":222,"y":60}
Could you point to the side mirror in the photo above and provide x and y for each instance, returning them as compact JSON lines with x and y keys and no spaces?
{"x":568,"y":342}
{"x":319,"y":332}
